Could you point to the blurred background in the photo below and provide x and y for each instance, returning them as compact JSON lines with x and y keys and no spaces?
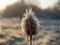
{"x":48,"y":13}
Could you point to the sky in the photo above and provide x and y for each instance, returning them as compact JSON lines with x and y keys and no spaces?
{"x":4,"y":3}
{"x":43,"y":4}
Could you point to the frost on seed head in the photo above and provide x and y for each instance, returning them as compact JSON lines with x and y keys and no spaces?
{"x":30,"y":23}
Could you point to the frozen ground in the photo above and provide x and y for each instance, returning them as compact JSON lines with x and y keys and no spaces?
{"x":10,"y":33}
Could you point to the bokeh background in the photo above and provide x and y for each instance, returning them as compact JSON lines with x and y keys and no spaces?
{"x":48,"y":13}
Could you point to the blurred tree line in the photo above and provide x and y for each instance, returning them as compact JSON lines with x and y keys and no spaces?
{"x":14,"y":10}
{"x":18,"y":9}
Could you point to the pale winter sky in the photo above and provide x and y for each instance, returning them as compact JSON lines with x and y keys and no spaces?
{"x":40,"y":3}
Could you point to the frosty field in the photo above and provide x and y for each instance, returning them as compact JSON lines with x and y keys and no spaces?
{"x":11,"y":33}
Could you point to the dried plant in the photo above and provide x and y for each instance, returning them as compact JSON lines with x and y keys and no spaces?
{"x":30,"y":24}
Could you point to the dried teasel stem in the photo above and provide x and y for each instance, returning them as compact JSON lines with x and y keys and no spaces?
{"x":30,"y":24}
